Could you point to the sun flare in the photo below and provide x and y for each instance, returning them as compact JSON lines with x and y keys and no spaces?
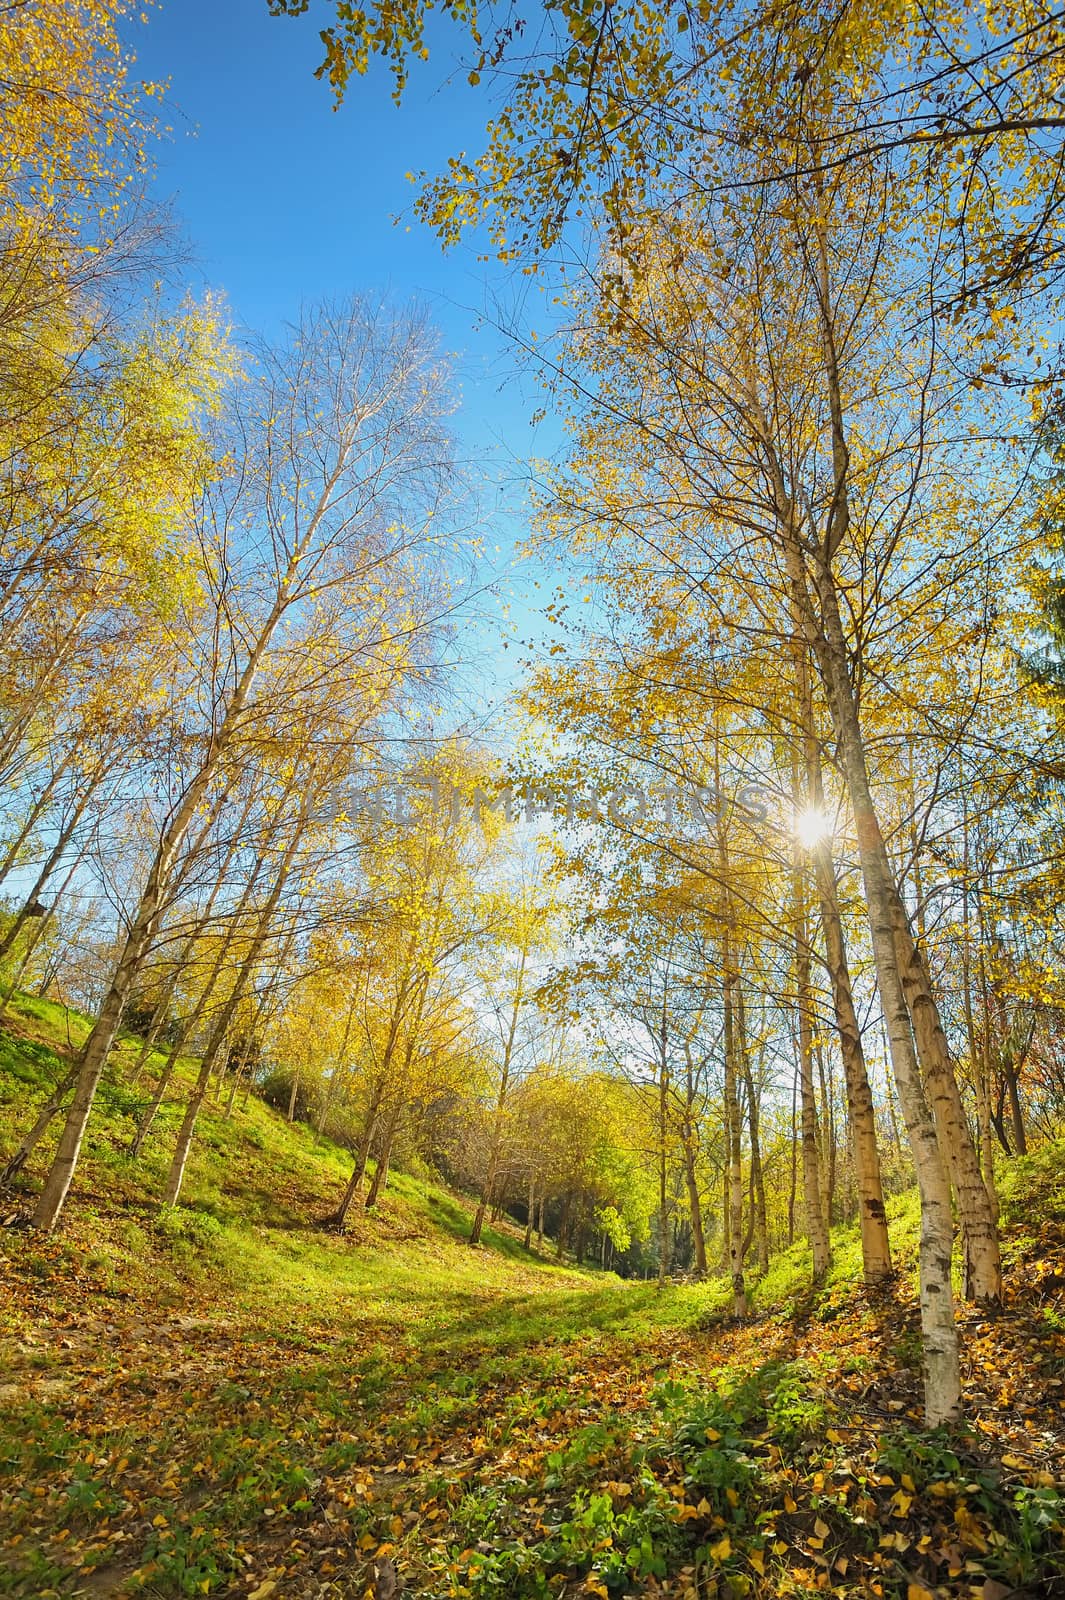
{"x":812,"y":826}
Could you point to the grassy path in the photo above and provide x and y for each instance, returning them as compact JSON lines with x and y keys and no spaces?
{"x":496,"y":1429}
{"x":224,"y":1400}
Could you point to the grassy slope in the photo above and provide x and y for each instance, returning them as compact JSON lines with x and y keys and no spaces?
{"x":231,"y":1402}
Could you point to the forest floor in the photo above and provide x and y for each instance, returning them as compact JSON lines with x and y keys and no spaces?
{"x":226,"y":1400}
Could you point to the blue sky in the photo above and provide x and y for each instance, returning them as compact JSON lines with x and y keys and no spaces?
{"x":285,"y":200}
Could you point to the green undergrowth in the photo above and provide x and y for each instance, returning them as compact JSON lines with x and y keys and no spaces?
{"x":256,"y":1191}
{"x":223,"y":1398}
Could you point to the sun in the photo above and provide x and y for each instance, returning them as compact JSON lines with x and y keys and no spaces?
{"x":812,"y":826}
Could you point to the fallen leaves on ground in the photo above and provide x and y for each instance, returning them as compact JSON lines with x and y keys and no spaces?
{"x":207,"y":1452}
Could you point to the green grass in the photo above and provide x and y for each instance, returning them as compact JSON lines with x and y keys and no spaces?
{"x":222,"y":1395}
{"x":255,"y":1191}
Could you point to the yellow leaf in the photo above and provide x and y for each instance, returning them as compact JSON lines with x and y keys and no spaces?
{"x":713,"y":1435}
{"x":264,"y":1591}
{"x":822,"y":1529}
{"x":789,"y":1503}
{"x":722,"y":1549}
{"x":917,"y":1591}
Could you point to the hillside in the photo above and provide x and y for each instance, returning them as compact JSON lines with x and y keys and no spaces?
{"x":227,"y":1400}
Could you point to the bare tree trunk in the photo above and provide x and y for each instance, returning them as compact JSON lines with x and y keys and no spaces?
{"x":495,"y":1147}
{"x":983,"y":1265}
{"x":152,"y":900}
{"x":694,"y":1202}
{"x":30,"y":1140}
{"x":362,"y":1158}
{"x":690,"y":1149}
{"x":236,"y":839}
{"x":408,"y":985}
{"x":1020,"y":1136}
{"x":758,"y":1223}
{"x":187,"y":1027}
{"x":155,"y":1027}
{"x":808,"y":547}
{"x":221,"y":1024}
{"x":734,"y":1141}
{"x":876,"y":1248}
{"x":827,"y":1120}
{"x":98,"y":1045}
{"x":38,"y":935}
{"x":816,"y":1226}
{"x":384,"y":1159}
{"x":176,"y":1175}
{"x":793,"y":1145}
{"x":380,"y":1176}
{"x":942,"y":1375}
{"x":663,"y":1201}
{"x":238,"y":1074}
{"x":154,"y":1106}
{"x":733,"y":1125}
{"x":979,"y":1053}
{"x":55,"y":855}
{"x":890,"y":1093}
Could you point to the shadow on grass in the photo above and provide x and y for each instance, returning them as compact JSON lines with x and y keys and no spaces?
{"x":515,"y":1322}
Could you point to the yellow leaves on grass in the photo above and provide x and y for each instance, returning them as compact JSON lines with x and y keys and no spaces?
{"x":819,"y":1535}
